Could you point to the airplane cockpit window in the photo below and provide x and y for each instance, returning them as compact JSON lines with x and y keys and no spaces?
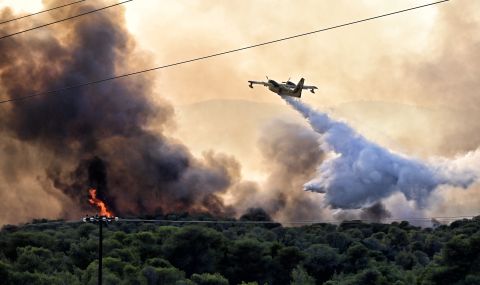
{"x":273,"y":82}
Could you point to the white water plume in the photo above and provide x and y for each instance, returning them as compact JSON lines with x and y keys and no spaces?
{"x":361,"y":173}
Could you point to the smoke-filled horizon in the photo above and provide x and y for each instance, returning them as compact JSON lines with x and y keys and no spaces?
{"x":96,"y":137}
{"x":120,"y":137}
{"x":360,"y":173}
{"x":111,"y":137}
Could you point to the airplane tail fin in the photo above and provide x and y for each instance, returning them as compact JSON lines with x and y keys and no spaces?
{"x":298,"y":89}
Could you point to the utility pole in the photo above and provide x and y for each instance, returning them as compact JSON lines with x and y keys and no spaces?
{"x":100,"y":220}
{"x":100,"y":251}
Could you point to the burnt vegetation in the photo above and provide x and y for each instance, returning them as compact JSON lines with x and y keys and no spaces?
{"x":233,"y":253}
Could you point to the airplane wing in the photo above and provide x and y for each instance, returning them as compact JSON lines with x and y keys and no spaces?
{"x":251,"y":82}
{"x":311,"y":88}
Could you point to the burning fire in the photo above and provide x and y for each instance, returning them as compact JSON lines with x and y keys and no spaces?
{"x":99,"y":203}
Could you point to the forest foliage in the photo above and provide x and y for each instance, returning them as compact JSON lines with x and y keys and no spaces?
{"x":233,"y":253}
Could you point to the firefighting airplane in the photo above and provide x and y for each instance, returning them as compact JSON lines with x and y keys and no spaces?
{"x":286,"y":88}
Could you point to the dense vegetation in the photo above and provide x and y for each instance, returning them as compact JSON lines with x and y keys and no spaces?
{"x":228,"y":253}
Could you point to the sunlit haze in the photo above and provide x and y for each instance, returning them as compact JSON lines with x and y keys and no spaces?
{"x":405,"y":82}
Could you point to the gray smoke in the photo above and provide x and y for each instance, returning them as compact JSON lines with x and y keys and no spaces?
{"x":100,"y":136}
{"x":291,"y":154}
{"x":377,"y":212}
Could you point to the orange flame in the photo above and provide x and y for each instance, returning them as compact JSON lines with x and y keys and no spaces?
{"x":99,"y":203}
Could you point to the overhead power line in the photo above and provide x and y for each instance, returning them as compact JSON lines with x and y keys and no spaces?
{"x":64,"y":19}
{"x":287,"y":222}
{"x":40,"y":12}
{"x":291,"y":222}
{"x":50,"y":223}
{"x":56,"y":91}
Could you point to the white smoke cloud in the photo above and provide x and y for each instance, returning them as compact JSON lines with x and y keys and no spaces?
{"x":360,"y":172}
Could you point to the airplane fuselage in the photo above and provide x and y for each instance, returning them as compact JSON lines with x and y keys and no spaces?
{"x":288,"y":88}
{"x":281,"y":89}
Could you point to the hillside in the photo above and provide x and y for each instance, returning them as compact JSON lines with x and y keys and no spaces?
{"x":232,"y":253}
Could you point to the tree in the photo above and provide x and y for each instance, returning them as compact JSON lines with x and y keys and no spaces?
{"x":339,"y":241}
{"x":209,"y":279}
{"x":33,"y":259}
{"x":146,"y":245}
{"x":301,"y":277}
{"x":161,"y":276}
{"x":195,"y":249}
{"x":114,"y":265}
{"x":370,"y":276}
{"x":215,"y":254}
{"x":356,"y":257}
{"x":405,"y":259}
{"x":398,"y":238}
{"x":5,"y":273}
{"x":286,"y":259}
{"x":83,"y":252}
{"x":321,"y":262}
{"x":459,"y":258}
{"x":131,"y":276}
{"x":248,"y":260}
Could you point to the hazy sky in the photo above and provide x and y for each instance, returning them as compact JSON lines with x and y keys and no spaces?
{"x":178,"y":30}
{"x":408,"y":81}
{"x":395,"y":79}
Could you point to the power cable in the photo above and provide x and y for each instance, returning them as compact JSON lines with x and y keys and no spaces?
{"x":64,"y":19}
{"x":50,"y":223}
{"x":303,"y":222}
{"x":55,"y":91}
{"x":291,"y":222}
{"x":40,"y":12}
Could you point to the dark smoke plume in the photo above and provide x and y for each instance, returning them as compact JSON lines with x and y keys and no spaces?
{"x":99,"y":136}
{"x":377,"y":213}
{"x":256,"y":214}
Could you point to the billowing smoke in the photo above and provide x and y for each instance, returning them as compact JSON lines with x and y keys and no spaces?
{"x":291,"y":154}
{"x":377,"y":212}
{"x":360,"y":173}
{"x":112,"y":137}
{"x":100,"y":136}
